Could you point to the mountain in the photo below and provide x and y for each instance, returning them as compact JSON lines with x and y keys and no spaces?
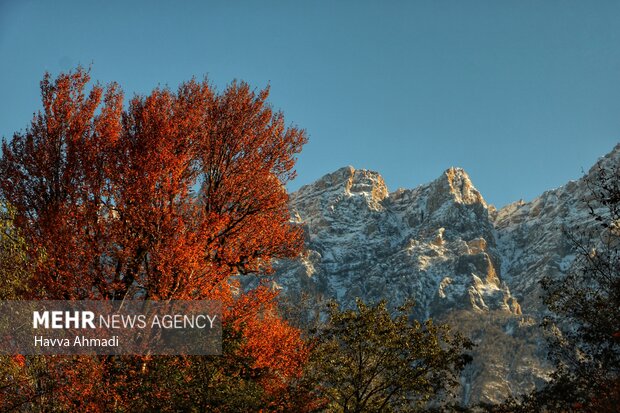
{"x":463,"y":262}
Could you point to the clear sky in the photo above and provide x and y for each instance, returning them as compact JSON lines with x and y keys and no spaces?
{"x":522,"y":94}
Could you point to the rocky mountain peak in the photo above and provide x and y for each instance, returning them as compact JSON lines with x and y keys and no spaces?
{"x":454,"y":184}
{"x":363,"y":181}
{"x":347,"y":183}
{"x":440,"y":243}
{"x":329,"y":182}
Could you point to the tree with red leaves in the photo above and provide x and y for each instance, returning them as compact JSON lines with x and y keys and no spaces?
{"x":169,"y":198}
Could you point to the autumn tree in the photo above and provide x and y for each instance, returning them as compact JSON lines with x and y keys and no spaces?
{"x":169,"y":198}
{"x":368,"y":360}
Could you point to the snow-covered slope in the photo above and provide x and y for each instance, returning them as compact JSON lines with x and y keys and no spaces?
{"x":441,"y":244}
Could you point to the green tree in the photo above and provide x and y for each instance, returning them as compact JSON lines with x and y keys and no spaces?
{"x":14,"y":277}
{"x":368,"y":360}
{"x":14,"y":262}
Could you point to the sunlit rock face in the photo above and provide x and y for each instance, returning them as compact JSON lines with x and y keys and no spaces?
{"x":462,"y":261}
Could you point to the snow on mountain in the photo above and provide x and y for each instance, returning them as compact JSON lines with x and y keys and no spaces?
{"x":460,"y":259}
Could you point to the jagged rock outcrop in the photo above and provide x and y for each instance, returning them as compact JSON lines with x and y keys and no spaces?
{"x":460,"y":259}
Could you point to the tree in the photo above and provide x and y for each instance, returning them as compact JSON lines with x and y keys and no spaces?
{"x":367,"y":360}
{"x":15,"y":269}
{"x":109,"y":195}
{"x":168,"y":199}
{"x":14,"y":277}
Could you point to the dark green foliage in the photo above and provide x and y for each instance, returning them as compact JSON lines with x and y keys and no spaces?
{"x":367,"y":360}
{"x":225,"y":383}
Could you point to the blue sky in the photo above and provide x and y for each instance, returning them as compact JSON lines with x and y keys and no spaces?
{"x":522,"y":94}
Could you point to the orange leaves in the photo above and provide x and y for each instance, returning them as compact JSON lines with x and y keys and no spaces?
{"x":53,"y":175}
{"x":20,"y":360}
{"x":276,"y":346}
{"x":167,"y":199}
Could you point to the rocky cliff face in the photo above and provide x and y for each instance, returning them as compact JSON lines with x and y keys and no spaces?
{"x":462,"y":260}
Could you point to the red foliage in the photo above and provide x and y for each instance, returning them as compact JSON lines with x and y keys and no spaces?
{"x":275,"y":349}
{"x":20,"y":360}
{"x":164,"y":200}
